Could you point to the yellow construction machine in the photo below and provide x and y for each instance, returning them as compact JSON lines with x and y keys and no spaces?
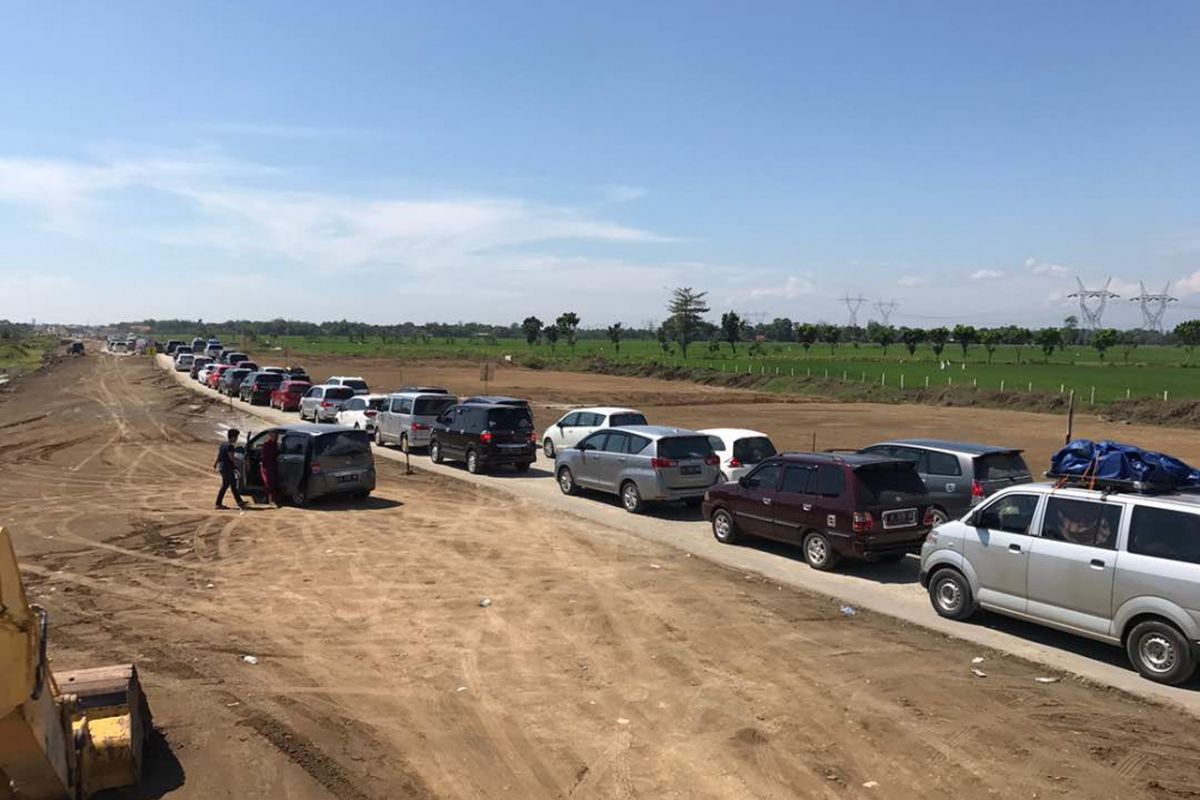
{"x":65,"y":735}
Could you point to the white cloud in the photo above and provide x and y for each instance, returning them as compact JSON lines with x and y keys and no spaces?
{"x":621,"y":193}
{"x":1188,"y":285}
{"x":1045,"y":268}
{"x":986,"y":274}
{"x":792,"y":288}
{"x":911,"y":281}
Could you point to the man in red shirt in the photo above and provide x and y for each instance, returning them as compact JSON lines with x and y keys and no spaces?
{"x":269,"y":467}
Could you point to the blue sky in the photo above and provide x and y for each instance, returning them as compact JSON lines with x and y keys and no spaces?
{"x":486,"y":161}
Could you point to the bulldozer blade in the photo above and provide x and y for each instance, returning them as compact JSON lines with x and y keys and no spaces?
{"x":111,"y":719}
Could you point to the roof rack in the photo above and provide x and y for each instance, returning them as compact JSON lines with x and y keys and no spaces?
{"x":1113,"y":485}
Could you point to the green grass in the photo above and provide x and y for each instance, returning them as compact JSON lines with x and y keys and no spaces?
{"x":1149,"y":371}
{"x":25,"y":354}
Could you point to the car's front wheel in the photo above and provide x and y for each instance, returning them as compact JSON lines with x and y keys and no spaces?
{"x":1160,"y":652}
{"x":938,"y":516}
{"x":819,"y":552}
{"x":723,"y":528}
{"x":950,"y":594}
{"x":566,"y":481}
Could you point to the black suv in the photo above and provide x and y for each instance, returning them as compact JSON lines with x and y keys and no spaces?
{"x":833,"y":506}
{"x":256,"y":388}
{"x":484,"y":436}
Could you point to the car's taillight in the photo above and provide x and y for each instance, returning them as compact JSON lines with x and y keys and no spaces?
{"x":485,"y":437}
{"x":863,"y":521}
{"x":930,"y":519}
{"x":713,"y":461}
{"x":735,"y":462}
{"x":533,"y":437}
{"x":416,"y":426}
{"x":977,"y":494}
{"x":370,"y":413}
{"x":316,"y":467}
{"x":661,"y":463}
{"x":326,"y":404}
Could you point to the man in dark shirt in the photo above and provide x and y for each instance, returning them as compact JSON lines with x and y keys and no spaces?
{"x":225,"y":466}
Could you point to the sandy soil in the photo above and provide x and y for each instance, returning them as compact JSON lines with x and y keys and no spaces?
{"x":605,"y":666}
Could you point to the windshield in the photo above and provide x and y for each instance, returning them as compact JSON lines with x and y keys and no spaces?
{"x":752,"y":450}
{"x":509,"y":419}
{"x":620,"y":420}
{"x":344,"y":443}
{"x":676,"y":447}
{"x":883,"y":482}
{"x":1001,"y":466}
{"x":375,"y":403}
{"x":431,"y":406}
{"x":339,"y":393}
{"x":355,"y":383}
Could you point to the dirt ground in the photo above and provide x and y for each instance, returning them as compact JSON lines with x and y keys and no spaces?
{"x":605,"y":666}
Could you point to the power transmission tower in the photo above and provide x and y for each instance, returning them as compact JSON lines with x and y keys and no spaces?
{"x":1154,"y":306}
{"x":852,"y":305}
{"x":885,"y":310}
{"x":1093,"y":301}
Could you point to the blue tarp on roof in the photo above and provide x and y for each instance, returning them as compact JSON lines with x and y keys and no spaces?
{"x":1114,"y":461}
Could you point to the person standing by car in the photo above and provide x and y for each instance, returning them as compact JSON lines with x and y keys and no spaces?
{"x":225,"y":465}
{"x":269,"y":466}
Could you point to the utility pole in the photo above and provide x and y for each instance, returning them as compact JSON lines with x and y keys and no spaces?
{"x":852,"y":305}
{"x":885,"y":310}
{"x":1093,"y":301}
{"x":1154,"y":306}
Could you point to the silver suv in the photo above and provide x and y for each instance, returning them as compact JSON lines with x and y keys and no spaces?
{"x":322,"y":403}
{"x":640,"y":463}
{"x":407,"y":418}
{"x":1121,"y":568}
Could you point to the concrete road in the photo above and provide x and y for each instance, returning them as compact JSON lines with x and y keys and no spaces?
{"x":890,"y":589}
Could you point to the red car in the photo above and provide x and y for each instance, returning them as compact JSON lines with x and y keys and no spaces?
{"x":215,"y":375}
{"x":287,"y":396}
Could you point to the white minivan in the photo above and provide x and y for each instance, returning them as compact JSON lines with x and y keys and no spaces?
{"x":574,"y":426}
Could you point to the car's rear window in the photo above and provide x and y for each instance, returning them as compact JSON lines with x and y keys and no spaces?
{"x":1000,"y":466}
{"x":753,"y":449}
{"x":344,"y":443}
{"x":238,"y":373}
{"x":879,"y":482}
{"x":1163,"y":533}
{"x":620,"y":420}
{"x":375,"y":403}
{"x":269,"y":379}
{"x":509,"y":419}
{"x":431,"y":406}
{"x":298,"y":388}
{"x":355,"y":384}
{"x":680,"y":447}
{"x":339,"y":393}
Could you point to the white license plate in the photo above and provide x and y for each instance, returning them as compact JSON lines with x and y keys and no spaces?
{"x":347,"y":478}
{"x":689,"y":470}
{"x":903,"y":518}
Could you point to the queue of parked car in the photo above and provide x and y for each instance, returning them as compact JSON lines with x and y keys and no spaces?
{"x":1100,"y":561}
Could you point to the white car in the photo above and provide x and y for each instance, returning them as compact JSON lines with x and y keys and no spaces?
{"x":183,"y":362}
{"x":355,"y":382}
{"x":571,"y":429}
{"x":202,"y":375}
{"x":361,"y":411}
{"x":739,"y":450}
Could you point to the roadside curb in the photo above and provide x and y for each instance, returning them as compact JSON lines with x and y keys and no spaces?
{"x":842,"y":589}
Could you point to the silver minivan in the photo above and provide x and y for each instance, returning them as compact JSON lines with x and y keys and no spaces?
{"x":1118,"y":567}
{"x":407,"y":418}
{"x":640,"y":463}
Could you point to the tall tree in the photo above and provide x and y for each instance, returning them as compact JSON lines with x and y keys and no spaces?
{"x":551,"y":334}
{"x":532,"y":328}
{"x":1019,"y":338}
{"x":568,"y":326}
{"x":731,"y":329}
{"x":1104,"y":339}
{"x":806,"y":335}
{"x":831,"y":335}
{"x":937,"y":339}
{"x":1070,"y":330}
{"x":614,"y":335}
{"x":687,"y":307}
{"x":990,"y":338}
{"x":912,"y":338}
{"x":663,"y":334}
{"x":1049,"y":339}
{"x":780,"y":330}
{"x":1129,"y":341}
{"x":884,"y":335}
{"x":1188,"y":334}
{"x":965,"y":335}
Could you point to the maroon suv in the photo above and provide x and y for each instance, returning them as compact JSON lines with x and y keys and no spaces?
{"x":833,"y":506}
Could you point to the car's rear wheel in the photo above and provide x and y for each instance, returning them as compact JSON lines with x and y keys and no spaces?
{"x":548,"y":448}
{"x":1160,"y":652}
{"x":819,"y":552}
{"x":950,"y":594}
{"x":724,"y":529}
{"x":473,"y":465}
{"x":379,"y":437}
{"x":435,"y":452}
{"x":566,"y":481}
{"x":298,"y":499}
{"x":631,"y":498}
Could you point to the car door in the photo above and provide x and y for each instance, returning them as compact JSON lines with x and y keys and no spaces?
{"x":293,"y":463}
{"x":612,"y":457}
{"x":1073,"y":562}
{"x":312,"y":401}
{"x":591,"y":460}
{"x":997,"y":548}
{"x":563,"y":434}
{"x":751,"y":504}
{"x":793,"y":507}
{"x":942,"y":475}
{"x":588,"y":423}
{"x":351,"y":412}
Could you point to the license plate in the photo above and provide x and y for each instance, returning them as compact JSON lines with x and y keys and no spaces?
{"x":903,"y":518}
{"x":512,"y":447}
{"x":689,"y":470}
{"x":347,"y":478}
